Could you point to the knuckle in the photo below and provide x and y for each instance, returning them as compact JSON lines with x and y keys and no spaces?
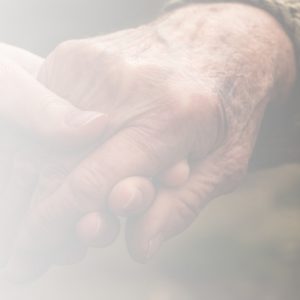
{"x":67,"y":46}
{"x":196,"y":106}
{"x":61,"y":65}
{"x":71,"y":54}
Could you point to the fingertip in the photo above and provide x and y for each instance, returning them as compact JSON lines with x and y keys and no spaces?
{"x":145,"y":234}
{"x":97,"y":230}
{"x":142,"y":247}
{"x":131,"y":196}
{"x":89,"y":226}
{"x":177,"y":175}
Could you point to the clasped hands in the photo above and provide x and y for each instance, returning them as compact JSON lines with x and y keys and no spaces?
{"x":148,"y":124}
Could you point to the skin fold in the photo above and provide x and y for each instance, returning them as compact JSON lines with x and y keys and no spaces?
{"x":43,"y":135}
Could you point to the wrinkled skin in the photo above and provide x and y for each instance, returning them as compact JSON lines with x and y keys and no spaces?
{"x":44,"y":136}
{"x":192,"y":85}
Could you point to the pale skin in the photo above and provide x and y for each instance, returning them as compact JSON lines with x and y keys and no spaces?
{"x":38,"y":126}
{"x":191,"y":87}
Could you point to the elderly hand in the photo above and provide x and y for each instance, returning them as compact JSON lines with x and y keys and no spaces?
{"x":43,"y":133}
{"x":192,"y":85}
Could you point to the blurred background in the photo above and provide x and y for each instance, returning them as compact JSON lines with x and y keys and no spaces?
{"x":39,"y":25}
{"x":244,"y":246}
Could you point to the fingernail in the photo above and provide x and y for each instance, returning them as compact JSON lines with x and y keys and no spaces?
{"x":82,"y":118}
{"x":134,"y":203}
{"x":154,"y":245}
{"x":89,"y":227}
{"x":94,"y":226}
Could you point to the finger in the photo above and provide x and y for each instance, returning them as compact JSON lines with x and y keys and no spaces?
{"x":94,"y":230}
{"x":29,"y":106}
{"x":87,"y":188}
{"x":175,"y":209}
{"x":97,"y":229}
{"x":134,"y":195}
{"x":131,"y":196}
{"x":176,"y":175}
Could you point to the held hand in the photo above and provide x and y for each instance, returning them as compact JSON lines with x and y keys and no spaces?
{"x":197,"y":92}
{"x":34,"y":122}
{"x":31,"y":115}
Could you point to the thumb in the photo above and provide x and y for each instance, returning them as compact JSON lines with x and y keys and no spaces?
{"x":28,"y":105}
{"x":174,"y":210}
